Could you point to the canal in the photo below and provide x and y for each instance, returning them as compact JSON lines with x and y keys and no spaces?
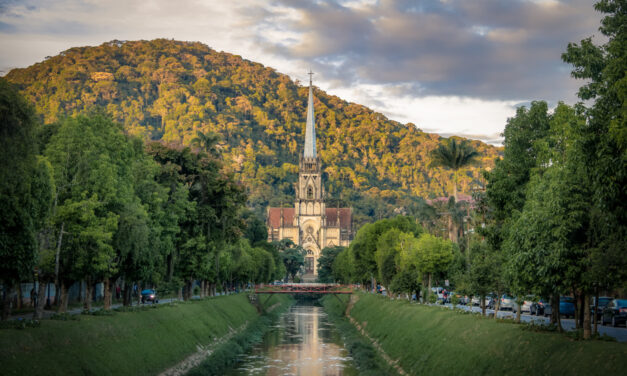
{"x":303,"y":342}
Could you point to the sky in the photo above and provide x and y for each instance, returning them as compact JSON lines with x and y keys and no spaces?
{"x":452,"y":67}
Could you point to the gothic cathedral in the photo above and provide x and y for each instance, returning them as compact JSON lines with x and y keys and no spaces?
{"x":310,"y":223}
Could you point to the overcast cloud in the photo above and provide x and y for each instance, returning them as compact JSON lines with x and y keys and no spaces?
{"x":449,"y":66}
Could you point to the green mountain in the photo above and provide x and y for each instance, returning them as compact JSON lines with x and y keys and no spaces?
{"x":168,"y":90}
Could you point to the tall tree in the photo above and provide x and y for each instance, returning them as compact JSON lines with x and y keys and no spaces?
{"x":325,"y":263}
{"x":18,"y":227}
{"x":208,"y":142}
{"x":604,"y":140}
{"x":454,"y":155}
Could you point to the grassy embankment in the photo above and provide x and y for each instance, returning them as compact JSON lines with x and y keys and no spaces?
{"x":433,"y":340}
{"x":126,"y":343}
{"x":365,"y":356}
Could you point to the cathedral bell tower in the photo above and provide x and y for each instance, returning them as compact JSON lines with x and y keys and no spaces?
{"x":310,"y":223}
{"x":310,"y":210}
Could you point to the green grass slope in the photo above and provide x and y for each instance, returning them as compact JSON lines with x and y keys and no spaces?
{"x":437,"y":341}
{"x":126,"y":343}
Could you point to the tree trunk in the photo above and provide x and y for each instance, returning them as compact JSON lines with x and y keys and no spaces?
{"x":56,"y":264}
{"x":430,"y":291}
{"x":482,"y":304}
{"x":6,"y":302}
{"x":88,"y":294}
{"x":587,"y":330}
{"x":555,"y":312}
{"x":188,"y":290}
{"x":202,"y":288}
{"x":453,"y":231}
{"x":18,"y":288}
{"x":596,"y":308}
{"x":497,"y":305}
{"x":582,"y":308}
{"x":107,"y":294}
{"x":80,"y":291}
{"x":126,"y":292}
{"x":577,"y":305}
{"x":41,"y":302}
{"x":63,"y":298}
{"x":455,"y":186}
{"x":518,"y":312}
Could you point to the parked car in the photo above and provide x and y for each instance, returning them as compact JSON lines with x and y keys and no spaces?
{"x":603,"y":302}
{"x":567,"y":307}
{"x":538,"y":308}
{"x":489,"y":301}
{"x":615,"y":312}
{"x":508,"y":303}
{"x":149,"y":295}
{"x":527,"y":303}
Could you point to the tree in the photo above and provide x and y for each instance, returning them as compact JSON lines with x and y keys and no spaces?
{"x":430,"y":255}
{"x":343,"y":267}
{"x":293,"y":259}
{"x":364,"y":246}
{"x":454,"y":156}
{"x":18,"y":227}
{"x":325,"y":263}
{"x":208,"y":142}
{"x":91,"y":157}
{"x":604,"y":142}
{"x":387,"y":255}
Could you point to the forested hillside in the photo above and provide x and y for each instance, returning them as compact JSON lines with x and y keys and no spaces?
{"x":168,"y":90}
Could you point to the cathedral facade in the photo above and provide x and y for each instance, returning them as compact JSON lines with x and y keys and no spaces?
{"x":310,"y":223}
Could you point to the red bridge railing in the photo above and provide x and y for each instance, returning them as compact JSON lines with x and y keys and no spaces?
{"x":304,"y":288}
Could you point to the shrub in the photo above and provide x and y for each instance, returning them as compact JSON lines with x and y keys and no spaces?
{"x":64,"y":317}
{"x":19,"y":324}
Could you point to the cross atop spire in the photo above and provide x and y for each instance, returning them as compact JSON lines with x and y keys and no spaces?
{"x":310,"y":129}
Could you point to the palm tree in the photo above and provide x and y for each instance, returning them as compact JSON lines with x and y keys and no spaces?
{"x":454,"y":155}
{"x":208,"y":142}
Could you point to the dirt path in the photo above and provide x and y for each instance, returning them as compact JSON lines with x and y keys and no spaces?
{"x":362,"y":330}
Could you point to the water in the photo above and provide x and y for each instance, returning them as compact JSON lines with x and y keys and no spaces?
{"x":303,"y":343}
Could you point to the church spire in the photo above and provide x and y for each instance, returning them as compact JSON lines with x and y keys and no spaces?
{"x":310,"y":130}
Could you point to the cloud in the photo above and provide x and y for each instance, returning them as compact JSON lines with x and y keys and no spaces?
{"x":482,"y":48}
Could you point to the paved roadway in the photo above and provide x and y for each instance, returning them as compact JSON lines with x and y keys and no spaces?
{"x":619,"y":333}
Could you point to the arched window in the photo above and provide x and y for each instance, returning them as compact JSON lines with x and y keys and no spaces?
{"x":310,"y":192}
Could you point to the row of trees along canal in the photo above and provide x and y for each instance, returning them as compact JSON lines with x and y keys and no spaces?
{"x":552,"y":219}
{"x":82,"y":201}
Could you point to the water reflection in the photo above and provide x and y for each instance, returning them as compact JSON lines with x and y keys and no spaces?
{"x":302,"y":343}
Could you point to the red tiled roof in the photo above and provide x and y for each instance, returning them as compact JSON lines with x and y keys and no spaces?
{"x":344,"y":215}
{"x":333,"y":214}
{"x":274,"y":217}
